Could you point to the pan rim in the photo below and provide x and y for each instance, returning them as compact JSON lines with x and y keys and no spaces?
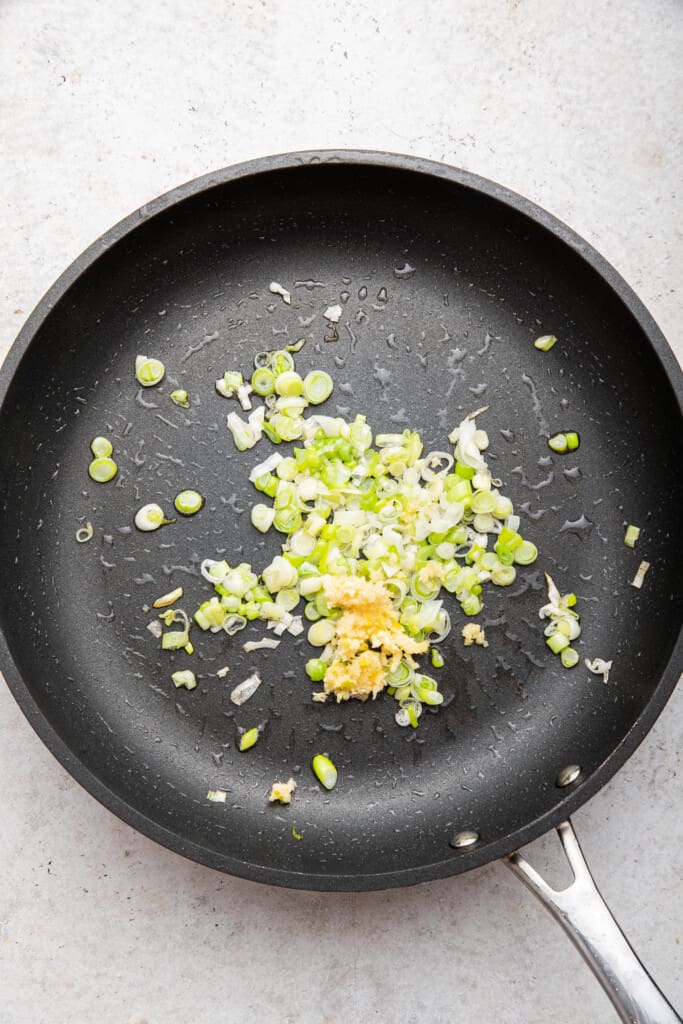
{"x":460,"y":861}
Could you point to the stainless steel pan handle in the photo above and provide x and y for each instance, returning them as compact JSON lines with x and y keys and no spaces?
{"x":586,"y":918}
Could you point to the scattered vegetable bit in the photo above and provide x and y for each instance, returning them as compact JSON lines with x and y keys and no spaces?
{"x":639,"y":577}
{"x":260,"y":645}
{"x":317,"y":387}
{"x":333,"y":314}
{"x":149,"y":372}
{"x":185,"y":677}
{"x":179,"y":397}
{"x":222,"y":672}
{"x":248,"y":739}
{"x":282,"y":791}
{"x":151,"y":517}
{"x":324,"y":771}
{"x":472,"y":633}
{"x":297,"y":835}
{"x":437,"y":658}
{"x":564,"y":623}
{"x":246,"y":435}
{"x":155,"y":629}
{"x":217,"y":796}
{"x":569,"y":441}
{"x":102,"y":470}
{"x":631,"y":536}
{"x":188,"y":503}
{"x":175,"y":640}
{"x":277,"y":289}
{"x":246,"y":689}
{"x":101,"y":447}
{"x":167,"y":599}
{"x":599,"y":667}
{"x":85,"y":533}
{"x":297,"y":346}
{"x":545,"y":343}
{"x":569,"y":657}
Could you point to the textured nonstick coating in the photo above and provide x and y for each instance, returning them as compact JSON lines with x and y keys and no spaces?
{"x":186,"y":279}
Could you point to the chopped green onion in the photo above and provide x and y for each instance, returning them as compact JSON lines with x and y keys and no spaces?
{"x":263,"y":381}
{"x":175,"y":640}
{"x":289,"y":384}
{"x":85,"y":533}
{"x":184,"y":678}
{"x":437,"y":658}
{"x":558,"y":443}
{"x":248,"y":739}
{"x":101,"y":447}
{"x":526,"y":553}
{"x":557,"y":642}
{"x":149,"y":372}
{"x":280,"y":361}
{"x":297,"y":346}
{"x":631,"y":536}
{"x":151,"y":517}
{"x":295,"y":834}
{"x":545,"y":343}
{"x":316,"y":669}
{"x":102,"y":470}
{"x":188,"y":503}
{"x":321,"y":633}
{"x":262,"y":517}
{"x":179,"y":397}
{"x":569,"y":657}
{"x":168,"y":599}
{"x":324,"y":771}
{"x":568,"y":441}
{"x":317,"y":387}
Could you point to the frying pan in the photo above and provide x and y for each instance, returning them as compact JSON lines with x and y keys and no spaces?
{"x":445,"y":279}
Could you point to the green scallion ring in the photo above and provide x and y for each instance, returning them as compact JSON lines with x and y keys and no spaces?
{"x":101,"y":447}
{"x":188,"y":503}
{"x":280,"y":361}
{"x":317,"y":387}
{"x":263,"y":381}
{"x":179,"y":397}
{"x":289,"y":384}
{"x":102,"y":470}
{"x":149,"y":372}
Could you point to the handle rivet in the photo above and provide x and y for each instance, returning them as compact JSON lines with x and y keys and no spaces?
{"x":464,"y":839}
{"x":568,"y":775}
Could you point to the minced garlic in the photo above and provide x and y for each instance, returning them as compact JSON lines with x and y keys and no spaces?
{"x":473,"y":634}
{"x":368,"y":640}
{"x":282,"y":791}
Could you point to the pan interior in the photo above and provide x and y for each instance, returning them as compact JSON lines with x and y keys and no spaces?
{"x":443,"y":291}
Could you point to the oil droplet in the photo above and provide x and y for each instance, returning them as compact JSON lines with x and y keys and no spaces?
{"x":573,"y":474}
{"x":345,"y":296}
{"x":536,"y":405}
{"x":362,"y":293}
{"x":508,"y":435}
{"x":382,"y":295}
{"x":580,"y":527}
{"x":404,"y":272}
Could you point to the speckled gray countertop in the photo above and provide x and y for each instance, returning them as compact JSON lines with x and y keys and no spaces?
{"x":103,"y":107}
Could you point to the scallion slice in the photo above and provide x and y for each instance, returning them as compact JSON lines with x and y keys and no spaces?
{"x":186,"y":678}
{"x":188,"y":503}
{"x":102,"y":470}
{"x":317,"y":387}
{"x":179,"y":397}
{"x":631,"y":536}
{"x":324,"y":771}
{"x":149,"y":371}
{"x":248,"y":739}
{"x":545,"y":342}
{"x":101,"y":447}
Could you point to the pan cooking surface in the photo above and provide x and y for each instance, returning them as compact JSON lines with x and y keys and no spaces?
{"x":444,"y":286}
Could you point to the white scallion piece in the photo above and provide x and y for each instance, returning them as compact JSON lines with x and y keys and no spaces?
{"x":222,"y":672}
{"x":85,"y":533}
{"x":599,"y":667}
{"x":167,"y":599}
{"x":217,"y":796}
{"x":246,"y":689}
{"x":333,"y":314}
{"x":277,"y":289}
{"x":267,"y":644}
{"x":637,"y":580}
{"x":151,"y":517}
{"x":155,"y":628}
